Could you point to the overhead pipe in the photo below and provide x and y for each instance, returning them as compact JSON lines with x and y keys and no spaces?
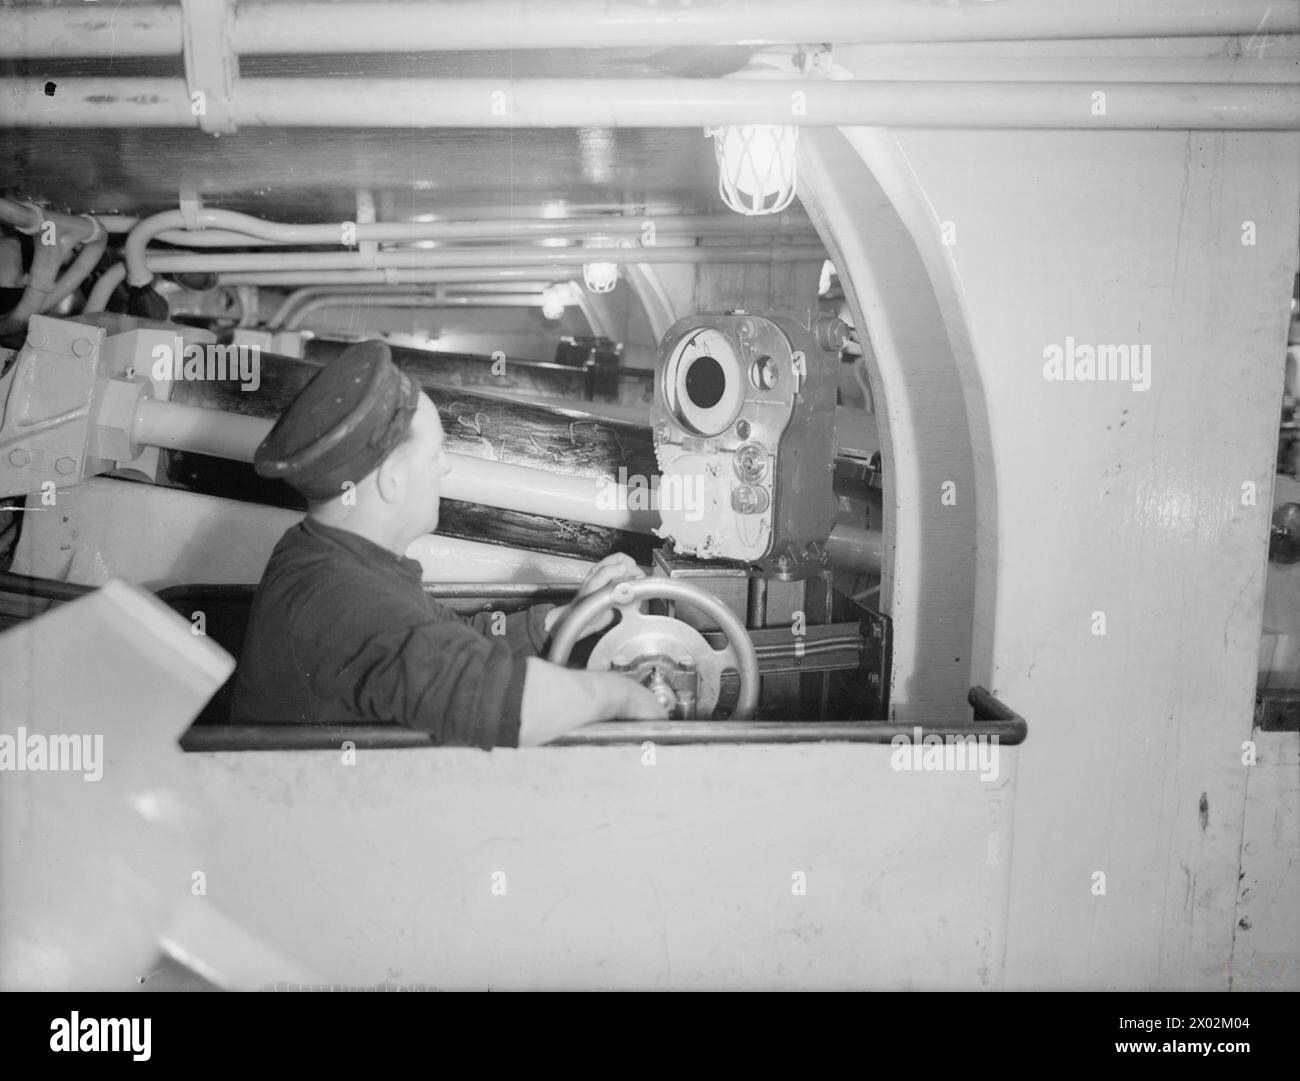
{"x":658,"y":103}
{"x":31,"y":219}
{"x":354,"y":278}
{"x":354,"y":300}
{"x":519,"y":258}
{"x":317,"y":27}
{"x":498,"y":229}
{"x":380,"y":293}
{"x":234,"y":229}
{"x":215,"y":432}
{"x":491,"y":229}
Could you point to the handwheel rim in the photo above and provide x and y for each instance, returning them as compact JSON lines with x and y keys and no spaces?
{"x":623,"y":594}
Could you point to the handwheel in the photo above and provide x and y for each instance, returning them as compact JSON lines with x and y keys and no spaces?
{"x":668,"y":656}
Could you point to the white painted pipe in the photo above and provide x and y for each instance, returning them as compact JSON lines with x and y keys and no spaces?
{"x":659,"y":103}
{"x":472,"y":480}
{"x":361,"y":300}
{"x":31,"y":219}
{"x":103,"y":288}
{"x":271,"y":233}
{"x":173,"y":426}
{"x":379,"y":294}
{"x":226,"y":228}
{"x":283,"y":28}
{"x":139,"y":264}
{"x":354,"y":278}
{"x":169,"y":263}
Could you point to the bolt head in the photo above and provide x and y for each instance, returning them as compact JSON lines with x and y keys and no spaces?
{"x":19,"y":457}
{"x":66,"y":466}
{"x":83,"y":347}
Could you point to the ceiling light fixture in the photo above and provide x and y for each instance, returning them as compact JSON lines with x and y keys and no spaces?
{"x":600,"y":277}
{"x":554,"y":300}
{"x":756,"y":166}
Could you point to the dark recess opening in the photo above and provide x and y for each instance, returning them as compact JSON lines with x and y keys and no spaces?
{"x":705,"y":382}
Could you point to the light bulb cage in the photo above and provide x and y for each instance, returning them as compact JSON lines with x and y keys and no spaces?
{"x":756,"y":167}
{"x":554,"y":301}
{"x":600,"y":277}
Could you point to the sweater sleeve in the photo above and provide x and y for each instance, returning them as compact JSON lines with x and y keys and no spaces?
{"x":523,"y":632}
{"x":442,"y":677}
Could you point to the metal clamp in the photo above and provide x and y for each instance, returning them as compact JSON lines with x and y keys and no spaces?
{"x":211,"y":63}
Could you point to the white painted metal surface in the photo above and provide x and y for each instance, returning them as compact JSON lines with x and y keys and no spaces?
{"x":1109,"y":503}
{"x":96,"y":857}
{"x":286,"y":28}
{"x":1266,"y":936}
{"x":657,"y":103}
{"x":679,"y":874}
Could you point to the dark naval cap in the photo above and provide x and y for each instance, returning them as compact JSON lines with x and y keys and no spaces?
{"x":342,"y":425}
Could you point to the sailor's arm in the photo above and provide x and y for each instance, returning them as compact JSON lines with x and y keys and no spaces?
{"x":558,"y":699}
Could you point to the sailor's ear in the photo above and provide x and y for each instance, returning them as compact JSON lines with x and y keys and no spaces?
{"x":390,"y":476}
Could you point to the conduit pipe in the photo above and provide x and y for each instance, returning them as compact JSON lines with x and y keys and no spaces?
{"x":333,"y":233}
{"x":354,"y":278}
{"x":357,"y":300}
{"x":168,"y":263}
{"x":31,"y":219}
{"x":494,"y":229}
{"x":45,"y":285}
{"x":42,"y":278}
{"x":103,"y":288}
{"x":70,"y":280}
{"x":658,"y":103}
{"x":380,"y":293}
{"x":317,"y":27}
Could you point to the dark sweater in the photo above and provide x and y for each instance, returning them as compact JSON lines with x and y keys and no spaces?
{"x":341,"y":631}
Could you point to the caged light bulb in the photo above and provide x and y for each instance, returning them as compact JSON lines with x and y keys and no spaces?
{"x":756,"y":167}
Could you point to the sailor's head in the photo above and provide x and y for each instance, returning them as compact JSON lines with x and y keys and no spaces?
{"x":362,"y":434}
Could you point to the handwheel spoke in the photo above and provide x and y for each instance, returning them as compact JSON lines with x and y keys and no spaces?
{"x":630,"y":614}
{"x":627,"y":597}
{"x":726,"y":657}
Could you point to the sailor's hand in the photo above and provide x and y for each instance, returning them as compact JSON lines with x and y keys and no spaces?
{"x":619,"y":567}
{"x":641,"y":704}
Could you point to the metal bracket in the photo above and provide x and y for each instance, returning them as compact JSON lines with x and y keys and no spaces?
{"x":211,"y":63}
{"x":877,"y":659}
{"x":1277,"y":711}
{"x":190,"y":203}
